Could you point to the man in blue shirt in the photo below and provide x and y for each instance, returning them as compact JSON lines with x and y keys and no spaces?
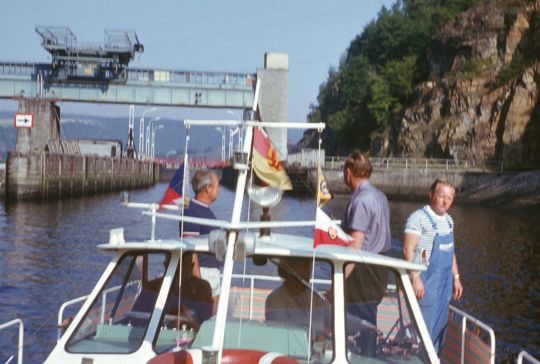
{"x":367,"y":220}
{"x":205,"y":185}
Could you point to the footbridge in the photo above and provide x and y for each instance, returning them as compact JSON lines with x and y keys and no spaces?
{"x":143,"y":86}
{"x":101,"y":73}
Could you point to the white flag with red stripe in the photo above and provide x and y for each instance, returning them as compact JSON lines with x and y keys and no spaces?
{"x":328,"y":232}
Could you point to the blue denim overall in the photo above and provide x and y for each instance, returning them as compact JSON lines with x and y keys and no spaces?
{"x":438,"y":285}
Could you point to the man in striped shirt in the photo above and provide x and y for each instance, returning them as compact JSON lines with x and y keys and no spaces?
{"x":429,"y":240}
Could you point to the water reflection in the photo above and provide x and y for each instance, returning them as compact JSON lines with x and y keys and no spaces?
{"x":48,"y":255}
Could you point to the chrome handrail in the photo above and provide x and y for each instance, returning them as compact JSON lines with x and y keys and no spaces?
{"x":61,"y":313}
{"x":523,"y":355}
{"x":82,"y":298}
{"x":20,"y":343}
{"x":465,"y":318}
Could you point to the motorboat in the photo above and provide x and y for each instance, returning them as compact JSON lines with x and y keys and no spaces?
{"x":281,"y":299}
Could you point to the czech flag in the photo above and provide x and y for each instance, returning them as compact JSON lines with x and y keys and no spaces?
{"x":173,"y":193}
{"x":328,"y":232}
{"x":266,"y":163}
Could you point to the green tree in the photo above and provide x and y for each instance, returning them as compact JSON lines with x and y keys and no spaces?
{"x":401,"y":76}
{"x":381,"y":68}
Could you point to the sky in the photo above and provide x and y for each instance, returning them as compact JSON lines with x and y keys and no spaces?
{"x":199,"y":35}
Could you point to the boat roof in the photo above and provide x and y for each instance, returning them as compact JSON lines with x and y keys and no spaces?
{"x":278,"y":244}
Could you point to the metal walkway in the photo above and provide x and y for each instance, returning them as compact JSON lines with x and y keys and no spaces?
{"x":143,"y":87}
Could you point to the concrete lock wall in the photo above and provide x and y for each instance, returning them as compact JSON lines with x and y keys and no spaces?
{"x":406,"y":183}
{"x":42,"y":175}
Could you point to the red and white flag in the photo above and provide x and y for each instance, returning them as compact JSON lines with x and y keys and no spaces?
{"x":328,"y":232}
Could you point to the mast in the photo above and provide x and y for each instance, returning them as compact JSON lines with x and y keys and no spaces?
{"x":223,"y":303}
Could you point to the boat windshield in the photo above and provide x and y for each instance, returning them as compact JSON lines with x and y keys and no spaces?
{"x":285,"y":305}
{"x":118,"y":318}
{"x":379,"y":324}
{"x":271,"y":308}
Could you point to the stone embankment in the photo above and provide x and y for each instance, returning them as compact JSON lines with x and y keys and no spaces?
{"x":513,"y":190}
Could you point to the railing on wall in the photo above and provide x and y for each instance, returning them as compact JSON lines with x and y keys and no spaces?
{"x":306,"y":158}
{"x":426,"y":164}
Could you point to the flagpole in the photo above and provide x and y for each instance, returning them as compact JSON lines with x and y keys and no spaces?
{"x":186,"y":168}
{"x":221,"y":314}
{"x":318,"y":202}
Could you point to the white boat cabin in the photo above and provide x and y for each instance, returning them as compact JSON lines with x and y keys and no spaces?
{"x":133,"y":314}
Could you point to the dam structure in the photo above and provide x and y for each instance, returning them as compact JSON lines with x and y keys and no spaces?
{"x":43,"y":165}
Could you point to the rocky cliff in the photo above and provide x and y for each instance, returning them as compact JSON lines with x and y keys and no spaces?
{"x":483,"y":99}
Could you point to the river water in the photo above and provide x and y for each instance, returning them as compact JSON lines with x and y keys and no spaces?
{"x":48,"y":255}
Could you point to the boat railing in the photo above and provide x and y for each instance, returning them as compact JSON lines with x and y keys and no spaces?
{"x":468,"y":339}
{"x":525,"y":357}
{"x":256,"y":296}
{"x":60,"y":322}
{"x":62,"y":326}
{"x":251,"y":299}
{"x":251,"y":291}
{"x":20,"y":342}
{"x":254,"y":277}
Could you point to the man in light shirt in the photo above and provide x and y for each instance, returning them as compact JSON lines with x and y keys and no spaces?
{"x":429,"y":240}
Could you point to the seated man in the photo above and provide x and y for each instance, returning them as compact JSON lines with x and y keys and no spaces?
{"x":291,"y":302}
{"x":196,"y":302}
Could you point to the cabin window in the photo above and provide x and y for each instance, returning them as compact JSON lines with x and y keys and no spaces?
{"x":272,"y":308}
{"x":118,"y":318}
{"x":379,"y":323}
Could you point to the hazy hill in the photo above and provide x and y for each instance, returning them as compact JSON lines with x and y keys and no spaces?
{"x":169,"y":139}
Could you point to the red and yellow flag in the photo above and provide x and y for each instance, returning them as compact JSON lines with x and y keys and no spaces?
{"x":266,"y":163}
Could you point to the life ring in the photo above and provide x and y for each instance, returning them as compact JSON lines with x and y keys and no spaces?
{"x":178,"y":357}
{"x":234,"y":356}
{"x":230,"y":356}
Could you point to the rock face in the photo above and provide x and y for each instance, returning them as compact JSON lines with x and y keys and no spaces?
{"x":471,"y":110}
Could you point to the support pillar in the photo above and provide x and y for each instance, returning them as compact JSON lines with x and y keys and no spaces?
{"x":25,"y":165}
{"x":46,"y":125}
{"x":274,"y":97}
